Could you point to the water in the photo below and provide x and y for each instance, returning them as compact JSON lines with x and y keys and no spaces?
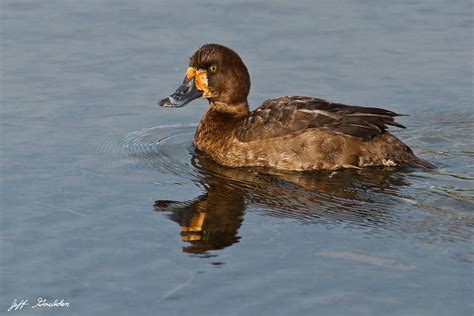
{"x":103,"y":196}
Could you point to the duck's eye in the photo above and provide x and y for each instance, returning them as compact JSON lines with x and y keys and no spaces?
{"x":213,"y":69}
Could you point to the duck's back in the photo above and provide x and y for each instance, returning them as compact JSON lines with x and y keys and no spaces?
{"x":287,"y":115}
{"x":304,"y":133}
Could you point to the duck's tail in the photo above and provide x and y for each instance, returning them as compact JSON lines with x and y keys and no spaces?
{"x":387,"y":150}
{"x":418,"y":162}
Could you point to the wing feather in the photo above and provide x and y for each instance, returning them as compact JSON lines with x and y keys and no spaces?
{"x":286,"y":115}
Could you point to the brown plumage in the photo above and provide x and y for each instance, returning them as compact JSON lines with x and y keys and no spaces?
{"x":290,"y":114}
{"x":289,"y":133}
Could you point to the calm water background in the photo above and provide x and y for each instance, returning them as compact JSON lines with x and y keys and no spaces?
{"x":85,"y":153}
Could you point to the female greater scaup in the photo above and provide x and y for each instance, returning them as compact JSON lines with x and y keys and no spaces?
{"x":287,"y":133}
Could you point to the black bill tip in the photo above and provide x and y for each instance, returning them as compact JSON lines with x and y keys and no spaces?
{"x":166,"y":102}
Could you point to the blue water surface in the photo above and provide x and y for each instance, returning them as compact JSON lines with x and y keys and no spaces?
{"x":105,"y":204}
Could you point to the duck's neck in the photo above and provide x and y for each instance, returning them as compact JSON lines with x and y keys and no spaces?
{"x":236,"y":110}
{"x":218,"y":125}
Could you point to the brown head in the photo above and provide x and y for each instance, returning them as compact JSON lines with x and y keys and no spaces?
{"x":216,"y":73}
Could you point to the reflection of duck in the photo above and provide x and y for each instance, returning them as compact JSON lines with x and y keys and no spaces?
{"x":212,"y":220}
{"x":287,"y":133}
{"x":209,"y":222}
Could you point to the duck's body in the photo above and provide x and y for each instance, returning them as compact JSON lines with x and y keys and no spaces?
{"x":287,"y":133}
{"x":301,"y":133}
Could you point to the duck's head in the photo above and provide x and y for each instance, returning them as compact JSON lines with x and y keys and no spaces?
{"x":215,"y":73}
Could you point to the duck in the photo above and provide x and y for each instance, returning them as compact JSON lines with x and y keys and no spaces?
{"x":289,"y":133}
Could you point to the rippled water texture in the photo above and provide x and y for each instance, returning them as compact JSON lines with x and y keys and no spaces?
{"x":106,"y":204}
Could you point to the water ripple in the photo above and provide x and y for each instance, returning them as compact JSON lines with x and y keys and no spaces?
{"x":165,"y":149}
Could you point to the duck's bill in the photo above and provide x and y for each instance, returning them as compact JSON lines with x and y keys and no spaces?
{"x":183,"y":95}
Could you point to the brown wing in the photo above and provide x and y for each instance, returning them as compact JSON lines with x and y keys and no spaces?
{"x":286,"y":115}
